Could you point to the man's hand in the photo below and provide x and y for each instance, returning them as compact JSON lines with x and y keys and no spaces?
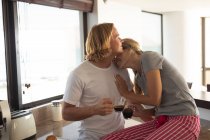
{"x":104,"y":107}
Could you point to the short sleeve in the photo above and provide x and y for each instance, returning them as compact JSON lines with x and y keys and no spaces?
{"x":73,"y":91}
{"x":152,"y":61}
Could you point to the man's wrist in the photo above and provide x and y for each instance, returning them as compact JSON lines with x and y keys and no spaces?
{"x":92,"y":110}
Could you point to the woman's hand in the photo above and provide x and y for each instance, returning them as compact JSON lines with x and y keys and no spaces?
{"x":137,"y":109}
{"x":121,"y":85}
{"x":140,"y":111}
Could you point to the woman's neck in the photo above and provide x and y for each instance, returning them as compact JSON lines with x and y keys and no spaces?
{"x":135,"y":64}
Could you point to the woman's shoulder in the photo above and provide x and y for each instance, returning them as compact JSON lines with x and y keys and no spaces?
{"x":152,"y":60}
{"x":152,"y":55}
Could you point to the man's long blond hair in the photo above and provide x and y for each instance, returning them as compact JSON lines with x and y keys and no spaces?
{"x":98,"y":42}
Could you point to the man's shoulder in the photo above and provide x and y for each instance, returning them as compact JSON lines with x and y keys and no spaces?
{"x":80,"y":69}
{"x":82,"y":66}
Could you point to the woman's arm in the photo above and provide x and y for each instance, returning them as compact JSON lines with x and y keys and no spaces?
{"x":144,"y":114}
{"x":154,"y":89}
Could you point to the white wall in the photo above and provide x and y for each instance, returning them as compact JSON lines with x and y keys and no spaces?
{"x":127,"y":19}
{"x":182,"y":44}
{"x":173,"y":41}
{"x":92,"y":18}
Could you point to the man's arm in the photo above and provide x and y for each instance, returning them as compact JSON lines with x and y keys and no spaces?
{"x":73,"y":113}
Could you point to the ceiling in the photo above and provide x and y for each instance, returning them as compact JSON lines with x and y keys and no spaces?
{"x":161,"y":6}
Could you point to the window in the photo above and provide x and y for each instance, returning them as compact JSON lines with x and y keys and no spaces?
{"x":3,"y":82}
{"x":152,"y":32}
{"x":50,"y":47}
{"x":206,"y":51}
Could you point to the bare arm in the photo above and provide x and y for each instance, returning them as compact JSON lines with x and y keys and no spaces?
{"x":73,"y":113}
{"x":144,"y":114}
{"x":154,"y":89}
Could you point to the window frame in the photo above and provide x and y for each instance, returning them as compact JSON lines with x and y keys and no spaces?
{"x":3,"y":60}
{"x":84,"y":5}
{"x":204,"y":69}
{"x":10,"y":23}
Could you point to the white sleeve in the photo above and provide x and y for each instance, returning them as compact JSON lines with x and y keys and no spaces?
{"x":74,"y":88}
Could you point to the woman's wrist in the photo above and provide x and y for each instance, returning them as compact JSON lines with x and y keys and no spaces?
{"x":128,"y":94}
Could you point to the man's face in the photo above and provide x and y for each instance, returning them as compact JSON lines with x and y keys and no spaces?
{"x":115,"y":42}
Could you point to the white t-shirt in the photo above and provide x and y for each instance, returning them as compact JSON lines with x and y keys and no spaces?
{"x":86,"y":86}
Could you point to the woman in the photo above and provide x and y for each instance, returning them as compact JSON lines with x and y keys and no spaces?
{"x":161,"y":86}
{"x":90,"y":90}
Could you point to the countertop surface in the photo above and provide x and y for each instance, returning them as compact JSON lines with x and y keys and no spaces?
{"x":200,"y":95}
{"x":70,"y":131}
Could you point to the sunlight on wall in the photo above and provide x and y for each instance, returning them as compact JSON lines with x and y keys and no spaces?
{"x":128,"y":25}
{"x":182,"y":44}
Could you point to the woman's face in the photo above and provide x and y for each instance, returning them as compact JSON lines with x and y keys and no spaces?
{"x":122,"y":59}
{"x":115,"y":42}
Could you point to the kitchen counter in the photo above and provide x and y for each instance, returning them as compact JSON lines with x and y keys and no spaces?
{"x":202,"y":98}
{"x":69,"y":130}
{"x":63,"y":132}
{"x":200,"y":95}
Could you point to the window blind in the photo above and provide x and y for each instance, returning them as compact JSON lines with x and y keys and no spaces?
{"x":81,"y":5}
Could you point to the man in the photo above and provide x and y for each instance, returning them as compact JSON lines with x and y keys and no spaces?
{"x":91,"y":91}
